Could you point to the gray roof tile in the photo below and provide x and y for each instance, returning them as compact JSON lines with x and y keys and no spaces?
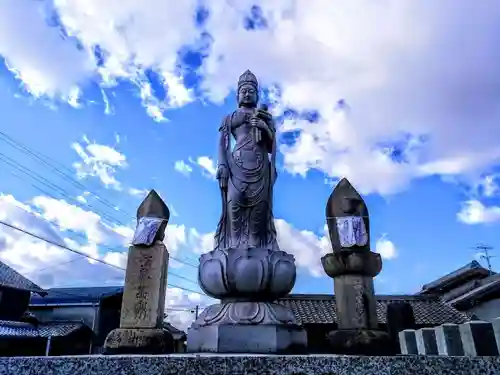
{"x":12,"y":279}
{"x":23,"y":329}
{"x":321,"y":309}
{"x":472,"y":268}
{"x":75,"y":295}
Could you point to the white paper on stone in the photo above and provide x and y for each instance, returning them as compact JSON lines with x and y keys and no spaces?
{"x":146,"y":230}
{"x":352,"y":231}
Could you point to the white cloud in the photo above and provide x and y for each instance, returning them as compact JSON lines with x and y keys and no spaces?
{"x":119,"y":259}
{"x":200,"y":242}
{"x":386,"y":248}
{"x":175,"y":237}
{"x":32,"y":49}
{"x":207,"y":165}
{"x":417,"y":76}
{"x":74,"y":218}
{"x":51,"y":266}
{"x":40,"y":261}
{"x":99,"y":161}
{"x":182,"y":167}
{"x":487,"y":186}
{"x":139,"y":193}
{"x":181,"y":305}
{"x":475,"y":212}
{"x":133,"y":38}
{"x":81,"y":199}
{"x":306,"y":246}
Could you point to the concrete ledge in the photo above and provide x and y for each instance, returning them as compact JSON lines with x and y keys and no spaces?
{"x":248,"y":364}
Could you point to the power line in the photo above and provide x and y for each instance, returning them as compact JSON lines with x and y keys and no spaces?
{"x":53,"y":266}
{"x":81,"y":253}
{"x":80,"y":234}
{"x":62,"y":192}
{"x":105,"y":246}
{"x":51,"y":163}
{"x":27,"y":171}
{"x":176,"y":309}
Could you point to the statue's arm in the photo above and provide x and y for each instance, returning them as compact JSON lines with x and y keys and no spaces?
{"x":271,"y":137}
{"x":223,"y":143}
{"x":274,"y":175}
{"x":222,"y":168}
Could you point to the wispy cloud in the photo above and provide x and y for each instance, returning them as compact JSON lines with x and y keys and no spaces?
{"x":99,"y":161}
{"x":183,"y":168}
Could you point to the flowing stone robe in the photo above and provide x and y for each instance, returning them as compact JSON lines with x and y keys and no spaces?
{"x":247,"y":218}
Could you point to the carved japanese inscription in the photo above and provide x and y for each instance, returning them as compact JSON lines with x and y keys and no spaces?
{"x":144,"y":294}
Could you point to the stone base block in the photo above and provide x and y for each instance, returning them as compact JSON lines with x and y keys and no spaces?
{"x":196,"y":364}
{"x":236,"y":338}
{"x":360,"y":342}
{"x":139,"y":341}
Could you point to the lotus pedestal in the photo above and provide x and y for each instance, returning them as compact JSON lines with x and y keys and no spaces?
{"x":247,"y":281}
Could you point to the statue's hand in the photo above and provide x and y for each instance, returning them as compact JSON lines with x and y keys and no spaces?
{"x":264,"y":115}
{"x":223,"y":176}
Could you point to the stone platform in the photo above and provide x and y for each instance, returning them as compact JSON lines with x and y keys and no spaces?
{"x":194,"y":364}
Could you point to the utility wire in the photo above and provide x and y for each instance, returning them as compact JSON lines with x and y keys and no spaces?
{"x":81,"y":253}
{"x":52,"y":164}
{"x":114,"y":249}
{"x":174,"y":309}
{"x":53,"y":266}
{"x":53,"y":186}
{"x":42,"y":180}
{"x":79,"y":205}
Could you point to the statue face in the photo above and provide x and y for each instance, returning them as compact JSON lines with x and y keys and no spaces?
{"x":247,"y":96}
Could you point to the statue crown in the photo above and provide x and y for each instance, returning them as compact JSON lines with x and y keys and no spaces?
{"x":248,"y":78}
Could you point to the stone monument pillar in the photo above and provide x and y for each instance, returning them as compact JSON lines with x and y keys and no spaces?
{"x":352,"y":266}
{"x":246,"y":270}
{"x":141,"y":320}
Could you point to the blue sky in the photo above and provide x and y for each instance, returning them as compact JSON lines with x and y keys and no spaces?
{"x":120,"y":97}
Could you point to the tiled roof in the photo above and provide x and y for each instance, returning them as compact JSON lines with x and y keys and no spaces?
{"x":428,"y":310}
{"x":12,"y":279}
{"x":75,"y":295}
{"x":486,"y":287}
{"x":23,"y":329}
{"x":472,"y":268}
{"x":176,"y":333}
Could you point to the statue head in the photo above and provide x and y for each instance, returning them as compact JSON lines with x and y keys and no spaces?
{"x":248,"y":90}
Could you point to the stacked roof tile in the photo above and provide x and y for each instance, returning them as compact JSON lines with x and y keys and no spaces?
{"x":24,"y":329}
{"x":321,"y":309}
{"x":10,"y":278}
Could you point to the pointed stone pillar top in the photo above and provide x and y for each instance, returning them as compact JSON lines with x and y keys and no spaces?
{"x":152,"y":220}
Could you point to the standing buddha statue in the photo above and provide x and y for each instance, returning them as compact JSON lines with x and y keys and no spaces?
{"x":247,"y":173}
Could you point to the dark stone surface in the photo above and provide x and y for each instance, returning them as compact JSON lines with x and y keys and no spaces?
{"x":240,"y":338}
{"x":256,"y":274}
{"x":153,"y":207}
{"x":246,"y":327}
{"x":352,"y":262}
{"x":246,"y":174}
{"x":246,"y":264}
{"x":360,"y":342}
{"x":343,"y":202}
{"x":138,"y":341}
{"x":245,"y":364}
{"x":399,"y":316}
{"x":478,"y":338}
